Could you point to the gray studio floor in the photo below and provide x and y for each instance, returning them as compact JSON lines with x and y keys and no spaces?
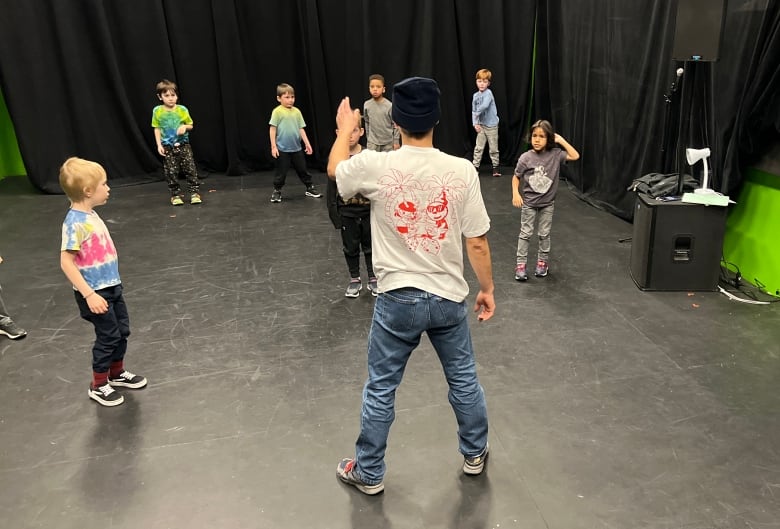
{"x":609,"y":407}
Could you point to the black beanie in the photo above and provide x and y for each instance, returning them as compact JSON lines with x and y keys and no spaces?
{"x":416,"y":104}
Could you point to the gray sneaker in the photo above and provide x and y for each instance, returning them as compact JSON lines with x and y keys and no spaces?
{"x":312,"y":192}
{"x":353,"y":288}
{"x":276,"y":196}
{"x":10,"y":329}
{"x":473,"y":466}
{"x":346,"y":473}
{"x":520,"y":272}
{"x":373,"y":286}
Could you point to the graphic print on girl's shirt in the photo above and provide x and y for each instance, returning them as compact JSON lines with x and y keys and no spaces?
{"x":539,"y":181}
{"x":420,"y":211}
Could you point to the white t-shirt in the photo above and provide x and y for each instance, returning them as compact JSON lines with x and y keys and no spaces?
{"x":423,"y":202}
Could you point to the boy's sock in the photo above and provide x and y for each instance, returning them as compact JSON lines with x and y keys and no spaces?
{"x":116,"y":368}
{"x":99,"y":379}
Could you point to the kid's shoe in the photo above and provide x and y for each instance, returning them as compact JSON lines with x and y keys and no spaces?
{"x":345,"y":472}
{"x":10,"y":329}
{"x":105,"y":395}
{"x":126,"y":379}
{"x":541,"y":268}
{"x":473,"y":466}
{"x":195,"y":199}
{"x":353,"y":288}
{"x":496,"y":171}
{"x":176,"y":200}
{"x":312,"y":192}
{"x":276,"y":196}
{"x":520,"y":272}
{"x":373,"y":287}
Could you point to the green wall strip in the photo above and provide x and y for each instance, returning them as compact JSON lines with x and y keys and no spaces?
{"x":751,"y":231}
{"x":11,"y":163}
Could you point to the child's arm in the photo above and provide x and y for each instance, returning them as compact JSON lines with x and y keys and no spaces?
{"x":184,"y":128}
{"x":158,"y":140}
{"x":272,"y":134}
{"x":571,"y":153}
{"x":517,"y":199}
{"x":96,"y":303}
{"x":306,"y":142}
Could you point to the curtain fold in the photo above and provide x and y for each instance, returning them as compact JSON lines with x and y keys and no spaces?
{"x":79,"y":77}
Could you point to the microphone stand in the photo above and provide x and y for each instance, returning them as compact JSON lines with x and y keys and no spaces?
{"x":669,"y":139}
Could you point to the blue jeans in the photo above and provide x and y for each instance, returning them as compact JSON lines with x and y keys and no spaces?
{"x":400,"y":318}
{"x":111,"y":328}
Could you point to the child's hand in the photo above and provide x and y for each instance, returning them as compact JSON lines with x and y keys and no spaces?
{"x":309,"y":150}
{"x":274,"y":151}
{"x":182,"y":130}
{"x":477,"y":128}
{"x":161,"y":150}
{"x":517,"y":200}
{"x":97,"y":304}
{"x":559,"y":139}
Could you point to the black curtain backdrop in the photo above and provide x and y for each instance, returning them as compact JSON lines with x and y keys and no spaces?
{"x":79,"y":77}
{"x":603,"y":69}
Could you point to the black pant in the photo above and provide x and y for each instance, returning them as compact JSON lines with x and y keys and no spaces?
{"x":356,"y":233}
{"x":111,"y":328}
{"x":283,"y":165}
{"x":179,"y":160}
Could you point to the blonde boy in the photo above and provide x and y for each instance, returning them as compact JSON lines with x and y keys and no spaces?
{"x":89,"y":260}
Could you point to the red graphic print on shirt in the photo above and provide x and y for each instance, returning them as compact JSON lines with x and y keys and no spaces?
{"x":420,"y":210}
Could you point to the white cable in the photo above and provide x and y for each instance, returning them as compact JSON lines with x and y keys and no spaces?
{"x":741,"y":300}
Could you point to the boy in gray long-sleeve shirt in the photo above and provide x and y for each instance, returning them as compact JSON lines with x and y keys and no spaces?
{"x":381,"y":134}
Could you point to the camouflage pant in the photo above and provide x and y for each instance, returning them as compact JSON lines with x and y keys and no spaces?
{"x":179,"y":160}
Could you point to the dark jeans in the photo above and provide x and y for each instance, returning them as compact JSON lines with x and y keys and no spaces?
{"x":298,"y":162}
{"x":179,"y":160}
{"x":356,"y":233}
{"x":111,"y":328}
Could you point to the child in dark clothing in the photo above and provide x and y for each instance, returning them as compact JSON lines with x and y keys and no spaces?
{"x":352,"y":218}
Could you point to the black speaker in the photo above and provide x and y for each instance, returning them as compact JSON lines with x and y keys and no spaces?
{"x":676,"y":245}
{"x":698,"y":30}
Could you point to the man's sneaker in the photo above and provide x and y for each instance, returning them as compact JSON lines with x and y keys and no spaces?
{"x":373,"y":287}
{"x":312,"y":192}
{"x":195,"y":199}
{"x":176,"y":200}
{"x":496,"y":171}
{"x":473,"y":466}
{"x":105,"y":395}
{"x":276,"y":196}
{"x":126,"y":379}
{"x":520,"y":272}
{"x":345,"y":472}
{"x":10,"y":329}
{"x":541,"y":268}
{"x":353,"y":288}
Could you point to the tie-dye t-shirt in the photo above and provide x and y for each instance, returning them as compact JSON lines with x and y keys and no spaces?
{"x":168,"y":121}
{"x":96,"y":259}
{"x":288,"y":123}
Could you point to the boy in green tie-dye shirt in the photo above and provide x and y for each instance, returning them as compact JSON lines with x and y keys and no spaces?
{"x":172,"y":125}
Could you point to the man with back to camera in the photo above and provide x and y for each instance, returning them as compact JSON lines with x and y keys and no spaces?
{"x":422,"y":202}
